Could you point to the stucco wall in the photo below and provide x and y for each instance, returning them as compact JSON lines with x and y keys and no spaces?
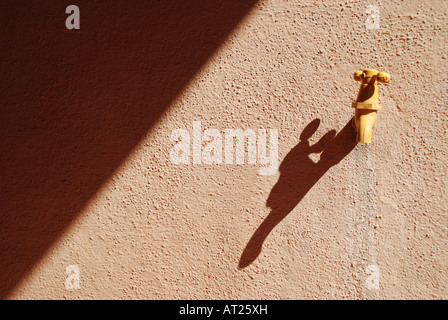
{"x":87,"y":179}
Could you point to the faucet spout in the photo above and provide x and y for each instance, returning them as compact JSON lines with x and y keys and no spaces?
{"x":367,"y":104}
{"x":364,"y":122}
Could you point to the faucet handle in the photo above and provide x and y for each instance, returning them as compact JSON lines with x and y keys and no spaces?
{"x":383,"y":77}
{"x":359,"y":75}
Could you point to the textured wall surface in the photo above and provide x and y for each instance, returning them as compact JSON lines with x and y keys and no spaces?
{"x":87,"y":179}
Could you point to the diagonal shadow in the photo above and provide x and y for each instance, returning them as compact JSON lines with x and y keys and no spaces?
{"x":76,"y":102}
{"x":298,"y":174}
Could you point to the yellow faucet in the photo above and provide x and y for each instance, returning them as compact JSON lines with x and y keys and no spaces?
{"x":367,"y":105}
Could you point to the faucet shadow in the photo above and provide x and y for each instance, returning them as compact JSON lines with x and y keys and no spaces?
{"x":298,"y":174}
